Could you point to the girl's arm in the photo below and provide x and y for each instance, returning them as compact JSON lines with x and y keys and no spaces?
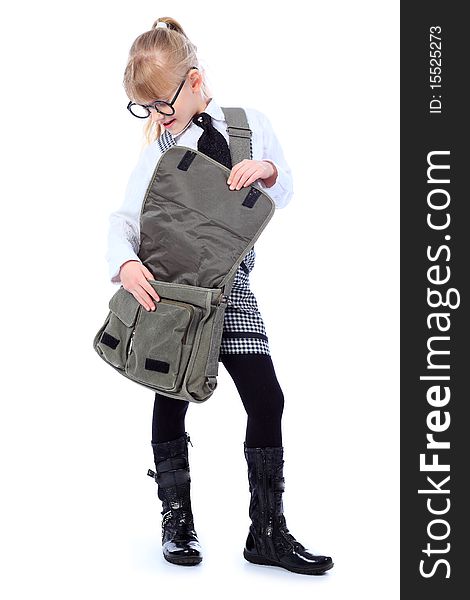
{"x":280,"y":185}
{"x":124,"y":225}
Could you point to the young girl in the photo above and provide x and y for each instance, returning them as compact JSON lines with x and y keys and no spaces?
{"x":166,"y":85}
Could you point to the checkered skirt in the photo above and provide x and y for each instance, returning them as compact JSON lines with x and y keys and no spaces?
{"x":244,"y":331}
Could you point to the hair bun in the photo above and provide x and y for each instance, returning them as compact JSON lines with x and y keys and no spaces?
{"x":169,"y":23}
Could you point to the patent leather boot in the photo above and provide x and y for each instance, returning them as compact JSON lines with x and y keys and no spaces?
{"x":269,"y":541}
{"x":180,"y":545}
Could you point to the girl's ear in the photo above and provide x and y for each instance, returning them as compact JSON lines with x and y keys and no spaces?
{"x":195,"y":80}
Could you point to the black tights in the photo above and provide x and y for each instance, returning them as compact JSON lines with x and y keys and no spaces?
{"x":260,"y":392}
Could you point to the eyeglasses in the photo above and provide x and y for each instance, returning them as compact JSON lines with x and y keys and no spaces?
{"x":142,"y":111}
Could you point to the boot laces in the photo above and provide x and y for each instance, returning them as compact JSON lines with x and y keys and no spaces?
{"x":287,"y":535}
{"x":181,"y":520}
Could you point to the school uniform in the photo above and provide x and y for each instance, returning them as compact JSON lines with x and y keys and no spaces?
{"x":244,"y":330}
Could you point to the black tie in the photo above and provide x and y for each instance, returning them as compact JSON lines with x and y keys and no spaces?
{"x":212,"y":142}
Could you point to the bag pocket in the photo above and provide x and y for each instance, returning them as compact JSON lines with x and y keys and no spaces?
{"x":113,"y":340}
{"x":160,"y":340}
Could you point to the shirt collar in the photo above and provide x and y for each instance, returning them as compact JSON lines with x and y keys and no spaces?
{"x":214,"y":110}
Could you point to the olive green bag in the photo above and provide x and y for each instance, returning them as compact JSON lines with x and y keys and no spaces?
{"x":194,"y":234}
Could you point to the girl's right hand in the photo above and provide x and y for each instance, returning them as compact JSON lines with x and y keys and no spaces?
{"x":134,"y":275}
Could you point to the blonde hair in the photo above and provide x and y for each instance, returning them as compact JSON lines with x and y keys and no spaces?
{"x":158,"y":61}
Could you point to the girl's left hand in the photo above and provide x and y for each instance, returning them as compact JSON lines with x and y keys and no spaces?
{"x":247,"y":171}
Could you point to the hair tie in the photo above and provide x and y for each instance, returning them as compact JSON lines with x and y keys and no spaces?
{"x":162,"y":24}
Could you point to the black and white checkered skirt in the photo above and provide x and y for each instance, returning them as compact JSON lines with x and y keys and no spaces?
{"x":244,"y":330}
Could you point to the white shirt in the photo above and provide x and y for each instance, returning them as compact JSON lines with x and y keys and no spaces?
{"x":124,"y":223}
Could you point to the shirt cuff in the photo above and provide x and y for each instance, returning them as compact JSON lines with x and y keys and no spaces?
{"x":281,"y":192}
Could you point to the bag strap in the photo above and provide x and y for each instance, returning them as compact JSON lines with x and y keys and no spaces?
{"x":239,"y":133}
{"x":240,"y":146}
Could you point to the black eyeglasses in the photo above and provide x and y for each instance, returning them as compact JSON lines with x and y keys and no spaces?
{"x":141,"y":111}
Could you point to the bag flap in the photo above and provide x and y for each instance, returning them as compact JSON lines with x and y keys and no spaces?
{"x":193,"y":228}
{"x":124,"y":306}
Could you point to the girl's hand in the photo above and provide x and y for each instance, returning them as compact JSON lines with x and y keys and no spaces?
{"x":247,"y":171}
{"x":133,"y":276}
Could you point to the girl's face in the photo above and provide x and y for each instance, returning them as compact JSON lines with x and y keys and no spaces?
{"x":188,"y":103}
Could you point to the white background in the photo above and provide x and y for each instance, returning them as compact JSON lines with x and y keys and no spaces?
{"x":79,"y":515}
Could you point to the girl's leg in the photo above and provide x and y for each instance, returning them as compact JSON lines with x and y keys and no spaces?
{"x":261,"y":394}
{"x":269,"y":541}
{"x":180,"y":544}
{"x":168,"y":418}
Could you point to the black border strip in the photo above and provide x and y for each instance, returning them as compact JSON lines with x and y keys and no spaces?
{"x":434,"y":268}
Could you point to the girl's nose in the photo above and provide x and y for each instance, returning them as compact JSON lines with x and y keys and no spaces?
{"x":156,"y":116}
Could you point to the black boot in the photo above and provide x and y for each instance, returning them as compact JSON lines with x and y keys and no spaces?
{"x":269,"y":541}
{"x":179,"y":539}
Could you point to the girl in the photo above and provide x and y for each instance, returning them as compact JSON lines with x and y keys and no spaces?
{"x":166,"y":85}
